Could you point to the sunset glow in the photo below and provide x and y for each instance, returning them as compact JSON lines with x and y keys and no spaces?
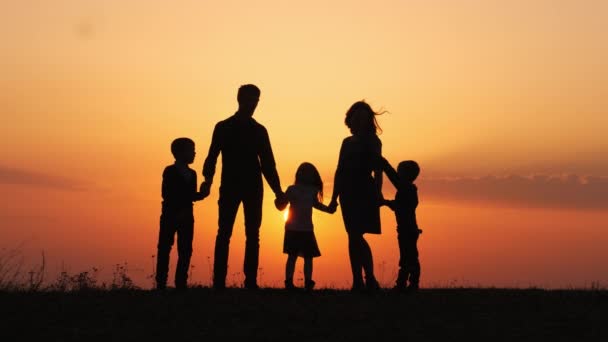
{"x":502,"y":103}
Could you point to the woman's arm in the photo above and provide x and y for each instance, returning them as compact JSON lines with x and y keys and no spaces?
{"x":378,"y":169}
{"x":337,"y":179}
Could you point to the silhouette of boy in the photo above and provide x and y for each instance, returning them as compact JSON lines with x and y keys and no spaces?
{"x":179,"y":187}
{"x":404,"y":205}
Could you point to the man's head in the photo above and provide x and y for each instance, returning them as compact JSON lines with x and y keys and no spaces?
{"x":183,"y":150}
{"x":248,"y":97}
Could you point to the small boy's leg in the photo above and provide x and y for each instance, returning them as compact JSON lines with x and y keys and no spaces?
{"x":413,"y":263}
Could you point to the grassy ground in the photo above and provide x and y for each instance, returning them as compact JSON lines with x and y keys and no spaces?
{"x":202,"y":314}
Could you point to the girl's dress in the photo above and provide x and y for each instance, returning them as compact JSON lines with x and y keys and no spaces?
{"x":299,"y":236}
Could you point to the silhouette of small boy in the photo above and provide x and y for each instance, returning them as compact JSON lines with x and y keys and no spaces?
{"x":404,"y":205}
{"x":179,"y":187}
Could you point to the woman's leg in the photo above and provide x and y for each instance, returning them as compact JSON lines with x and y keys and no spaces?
{"x":367,"y":261}
{"x":354,"y":252}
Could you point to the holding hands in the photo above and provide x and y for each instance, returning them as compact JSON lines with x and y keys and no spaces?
{"x":205,"y":189}
{"x":280,"y":202}
{"x":333,"y":206}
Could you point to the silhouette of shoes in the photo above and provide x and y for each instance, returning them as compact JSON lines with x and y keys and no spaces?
{"x":400,"y":287}
{"x":372,"y":285}
{"x":289,"y":285}
{"x":412,"y":288}
{"x":357,"y":287}
{"x":309,"y":285}
{"x":251,"y":286}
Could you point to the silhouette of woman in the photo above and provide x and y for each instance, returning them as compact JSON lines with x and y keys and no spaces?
{"x":358,"y":184}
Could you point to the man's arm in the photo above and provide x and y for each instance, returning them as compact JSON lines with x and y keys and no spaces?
{"x":211,"y":160}
{"x":268,"y":165}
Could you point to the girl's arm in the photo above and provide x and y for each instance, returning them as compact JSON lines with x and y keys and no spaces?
{"x":322,"y":207}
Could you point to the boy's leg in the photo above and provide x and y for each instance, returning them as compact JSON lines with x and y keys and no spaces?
{"x":290,"y":267}
{"x":403,"y":274}
{"x":412,"y":263}
{"x":165,"y":242}
{"x":185,"y":234}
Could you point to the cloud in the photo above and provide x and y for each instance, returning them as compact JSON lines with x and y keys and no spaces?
{"x":14,"y":176}
{"x":544,"y":191}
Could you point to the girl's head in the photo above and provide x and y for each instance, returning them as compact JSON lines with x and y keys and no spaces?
{"x":361,"y":119}
{"x":307,"y":174}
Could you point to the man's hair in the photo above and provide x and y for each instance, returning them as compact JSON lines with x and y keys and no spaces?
{"x":179,"y":145}
{"x":247,"y":90}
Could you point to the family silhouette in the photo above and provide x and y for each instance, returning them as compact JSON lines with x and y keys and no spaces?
{"x":247,"y":159}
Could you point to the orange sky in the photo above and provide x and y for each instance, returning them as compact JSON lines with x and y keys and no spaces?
{"x":501,"y":102}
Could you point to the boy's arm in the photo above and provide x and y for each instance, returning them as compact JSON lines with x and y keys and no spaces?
{"x":388,"y":203}
{"x":199,"y":195}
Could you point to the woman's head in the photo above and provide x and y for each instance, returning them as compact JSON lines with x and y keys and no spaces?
{"x":361,"y":119}
{"x":307,"y":174}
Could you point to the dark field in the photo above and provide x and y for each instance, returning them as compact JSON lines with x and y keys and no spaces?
{"x":202,"y":314}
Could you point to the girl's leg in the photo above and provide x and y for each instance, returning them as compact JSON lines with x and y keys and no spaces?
{"x":290,"y":267}
{"x":308,"y":282}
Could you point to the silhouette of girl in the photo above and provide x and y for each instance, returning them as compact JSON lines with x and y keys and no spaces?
{"x":358,"y":184}
{"x":299,"y":240}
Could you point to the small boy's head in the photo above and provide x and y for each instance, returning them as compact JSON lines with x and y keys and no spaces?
{"x":408,"y":170}
{"x":183,"y":150}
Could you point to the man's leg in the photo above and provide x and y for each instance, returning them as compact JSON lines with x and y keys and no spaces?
{"x":252,"y":205}
{"x":228,"y":207}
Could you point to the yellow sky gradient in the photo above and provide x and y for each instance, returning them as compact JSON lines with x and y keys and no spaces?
{"x":93,"y":92}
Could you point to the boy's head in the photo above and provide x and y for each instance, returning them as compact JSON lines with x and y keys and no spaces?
{"x":183,"y":150}
{"x":408,"y":170}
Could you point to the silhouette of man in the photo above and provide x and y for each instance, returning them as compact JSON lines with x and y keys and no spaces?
{"x":246,"y":156}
